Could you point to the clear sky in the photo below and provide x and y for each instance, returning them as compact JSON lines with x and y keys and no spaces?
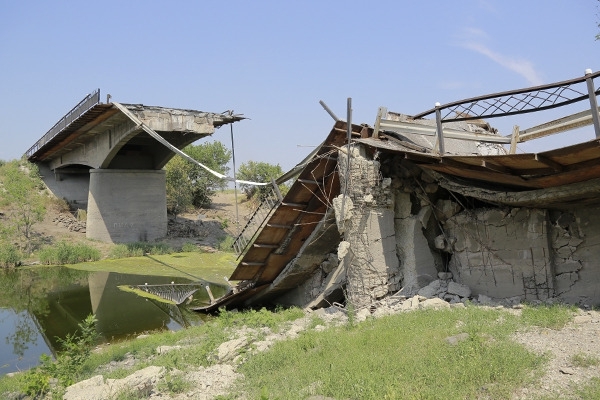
{"x":274,"y":60}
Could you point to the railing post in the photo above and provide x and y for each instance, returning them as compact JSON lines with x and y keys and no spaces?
{"x":593,"y":101}
{"x":276,"y":189}
{"x":440,"y":133}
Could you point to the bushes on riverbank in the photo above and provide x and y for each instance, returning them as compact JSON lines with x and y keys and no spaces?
{"x":10,"y":256}
{"x":66,"y":253}
{"x":138,"y":249}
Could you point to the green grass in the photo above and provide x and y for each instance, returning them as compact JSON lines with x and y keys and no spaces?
{"x":591,"y":390}
{"x":584,"y":360}
{"x":66,"y":253}
{"x":212,"y":267}
{"x":547,"y":316}
{"x":138,"y":249}
{"x":397,"y":357}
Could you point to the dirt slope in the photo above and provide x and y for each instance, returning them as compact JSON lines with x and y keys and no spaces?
{"x":210,"y":225}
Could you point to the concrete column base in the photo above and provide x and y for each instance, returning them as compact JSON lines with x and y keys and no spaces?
{"x":126,"y":205}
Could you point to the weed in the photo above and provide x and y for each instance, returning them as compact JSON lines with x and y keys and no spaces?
{"x":81,"y":215}
{"x":174,"y":384}
{"x":226,"y":244}
{"x":547,"y":316}
{"x":224,"y":223}
{"x":69,"y":363}
{"x":138,"y":249}
{"x":67,"y":253}
{"x":10,"y":256}
{"x":189,"y":247}
{"x":351,"y":312}
{"x":584,"y":360}
{"x":591,"y":390}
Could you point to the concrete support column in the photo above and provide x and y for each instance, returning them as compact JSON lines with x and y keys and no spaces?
{"x":369,"y":247}
{"x":126,"y":205}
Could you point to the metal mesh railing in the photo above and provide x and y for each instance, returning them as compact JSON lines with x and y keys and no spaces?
{"x":257,"y":220}
{"x":88,"y":102}
{"x":516,"y":101}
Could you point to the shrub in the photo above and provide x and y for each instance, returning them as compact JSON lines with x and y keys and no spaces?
{"x":189,"y":247}
{"x":119,"y":251}
{"x":66,"y":253}
{"x":226,"y":244}
{"x":138,"y":249}
{"x":60,"y":205}
{"x":76,"y":349}
{"x":10,"y":256}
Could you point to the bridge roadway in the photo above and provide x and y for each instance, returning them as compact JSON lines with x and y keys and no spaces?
{"x":99,"y":158}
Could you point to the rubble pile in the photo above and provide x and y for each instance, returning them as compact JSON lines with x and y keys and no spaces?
{"x":181,"y":227}
{"x":69,"y":222}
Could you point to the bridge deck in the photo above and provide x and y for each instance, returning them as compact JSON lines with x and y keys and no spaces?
{"x":293,"y":221}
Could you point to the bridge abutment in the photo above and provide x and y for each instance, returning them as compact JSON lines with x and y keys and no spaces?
{"x":126,"y":205}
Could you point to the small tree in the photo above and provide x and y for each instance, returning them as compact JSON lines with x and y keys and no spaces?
{"x":21,"y":193}
{"x":258,"y":172}
{"x":215,"y":156}
{"x":188,"y":183}
{"x":179,"y":186}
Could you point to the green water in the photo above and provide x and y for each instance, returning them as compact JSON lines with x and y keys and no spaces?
{"x":38,"y":305}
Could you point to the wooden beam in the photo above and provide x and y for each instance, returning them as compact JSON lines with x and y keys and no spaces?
{"x":564,"y":124}
{"x":298,"y":205}
{"x":495,"y":167}
{"x":428,"y":130}
{"x":514,"y":139}
{"x":308,"y":181}
{"x":278,"y":226}
{"x":265,"y":246}
{"x":552,"y":164}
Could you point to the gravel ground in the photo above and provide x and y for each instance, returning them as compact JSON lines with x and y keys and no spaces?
{"x":561,"y":376}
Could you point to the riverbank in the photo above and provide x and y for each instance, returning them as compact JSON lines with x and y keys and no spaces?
{"x":415,"y":347}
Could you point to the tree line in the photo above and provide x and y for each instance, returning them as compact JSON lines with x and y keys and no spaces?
{"x":191,"y":186}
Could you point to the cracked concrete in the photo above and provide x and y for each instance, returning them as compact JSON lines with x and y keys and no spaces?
{"x":401,"y":229}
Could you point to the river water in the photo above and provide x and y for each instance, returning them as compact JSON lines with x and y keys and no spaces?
{"x":39,"y":305}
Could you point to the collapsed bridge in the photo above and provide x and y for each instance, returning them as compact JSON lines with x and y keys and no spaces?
{"x":411,"y":202}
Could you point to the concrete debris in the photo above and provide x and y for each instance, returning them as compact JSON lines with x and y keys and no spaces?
{"x":459,"y":289}
{"x":200,"y":229}
{"x":456,"y":339}
{"x":139,"y":384}
{"x":229,"y":350}
{"x":69,"y":222}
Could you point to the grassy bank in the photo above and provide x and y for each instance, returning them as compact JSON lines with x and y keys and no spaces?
{"x":407,"y":355}
{"x":214,"y":267}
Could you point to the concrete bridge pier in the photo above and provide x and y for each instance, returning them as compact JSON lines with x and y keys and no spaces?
{"x":126,"y":205}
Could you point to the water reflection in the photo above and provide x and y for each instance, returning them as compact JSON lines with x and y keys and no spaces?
{"x":38,"y":305}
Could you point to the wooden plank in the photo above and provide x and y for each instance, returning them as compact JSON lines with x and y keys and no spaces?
{"x":514,"y":139}
{"x":495,"y":167}
{"x":564,"y":124}
{"x":484,"y":175}
{"x":551,"y":163}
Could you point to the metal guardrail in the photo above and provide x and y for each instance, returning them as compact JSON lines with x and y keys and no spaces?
{"x":84,"y":105}
{"x":257,"y":220}
{"x":519,"y":101}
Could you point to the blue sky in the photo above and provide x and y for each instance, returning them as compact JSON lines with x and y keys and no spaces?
{"x":274,"y":60}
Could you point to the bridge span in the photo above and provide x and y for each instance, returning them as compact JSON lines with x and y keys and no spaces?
{"x":99,"y":157}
